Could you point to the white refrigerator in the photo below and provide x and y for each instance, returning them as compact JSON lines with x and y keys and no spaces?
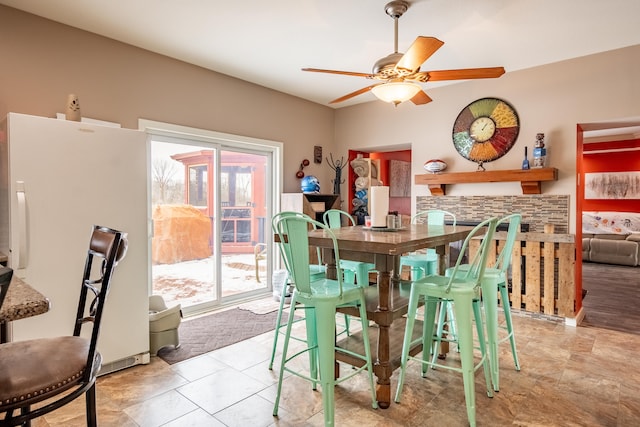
{"x":57,"y":179}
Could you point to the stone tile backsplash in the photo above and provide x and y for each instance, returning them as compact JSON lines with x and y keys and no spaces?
{"x":536,"y":210}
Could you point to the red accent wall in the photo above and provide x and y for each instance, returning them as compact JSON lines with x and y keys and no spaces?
{"x":618,"y":161}
{"x":400,"y":204}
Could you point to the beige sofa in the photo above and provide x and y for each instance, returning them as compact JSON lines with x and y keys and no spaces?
{"x":621,"y":249}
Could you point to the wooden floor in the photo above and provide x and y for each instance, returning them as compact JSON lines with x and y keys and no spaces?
{"x":613,"y":297}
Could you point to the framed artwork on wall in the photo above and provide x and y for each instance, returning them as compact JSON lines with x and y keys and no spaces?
{"x":399,"y":178}
{"x":612,"y":185}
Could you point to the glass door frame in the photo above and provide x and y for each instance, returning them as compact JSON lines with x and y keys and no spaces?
{"x":220,"y":142}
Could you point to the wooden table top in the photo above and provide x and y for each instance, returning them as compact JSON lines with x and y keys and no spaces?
{"x":22,"y":301}
{"x":408,"y":239}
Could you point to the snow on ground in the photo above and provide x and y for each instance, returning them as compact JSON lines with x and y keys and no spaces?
{"x":192,"y":282}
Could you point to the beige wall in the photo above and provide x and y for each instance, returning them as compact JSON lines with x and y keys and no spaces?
{"x":42,"y":61}
{"x":552,"y":99}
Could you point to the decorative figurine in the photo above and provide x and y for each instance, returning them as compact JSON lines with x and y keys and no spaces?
{"x":337,"y":167}
{"x":539,"y":152}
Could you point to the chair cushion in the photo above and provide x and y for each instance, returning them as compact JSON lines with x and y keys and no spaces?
{"x":34,"y":370}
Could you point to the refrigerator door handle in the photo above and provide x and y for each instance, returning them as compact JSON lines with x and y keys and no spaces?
{"x":22,"y":226}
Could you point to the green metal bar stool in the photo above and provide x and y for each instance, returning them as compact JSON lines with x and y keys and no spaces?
{"x":464,"y":292}
{"x":316,"y":271}
{"x":494,"y":283}
{"x":324,"y":296}
{"x":426,"y":264}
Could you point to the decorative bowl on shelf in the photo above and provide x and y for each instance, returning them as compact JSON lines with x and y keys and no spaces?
{"x":435,"y":165}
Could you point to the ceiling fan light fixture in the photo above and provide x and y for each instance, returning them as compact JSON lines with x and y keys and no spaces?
{"x":396,"y":92}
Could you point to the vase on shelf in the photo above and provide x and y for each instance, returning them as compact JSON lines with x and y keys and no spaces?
{"x":525,"y":162}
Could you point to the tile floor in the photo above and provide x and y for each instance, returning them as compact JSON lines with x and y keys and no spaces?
{"x":570,"y":376}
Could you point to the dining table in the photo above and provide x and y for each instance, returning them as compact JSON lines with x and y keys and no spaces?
{"x":21,"y":301}
{"x":387,"y":301}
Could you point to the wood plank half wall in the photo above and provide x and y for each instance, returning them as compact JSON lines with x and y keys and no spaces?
{"x":536,"y":210}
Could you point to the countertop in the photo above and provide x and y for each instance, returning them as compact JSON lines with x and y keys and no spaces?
{"x":22,"y":301}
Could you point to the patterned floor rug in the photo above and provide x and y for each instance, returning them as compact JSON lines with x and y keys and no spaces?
{"x":217,"y":330}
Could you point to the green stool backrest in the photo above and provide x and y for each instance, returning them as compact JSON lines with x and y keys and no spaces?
{"x":333,"y":218}
{"x":504,"y":258}
{"x":479,"y":261}
{"x":275,"y":218}
{"x":434,"y":217}
{"x":293,"y":233}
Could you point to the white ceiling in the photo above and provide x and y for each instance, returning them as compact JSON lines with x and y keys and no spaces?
{"x":267,"y":43}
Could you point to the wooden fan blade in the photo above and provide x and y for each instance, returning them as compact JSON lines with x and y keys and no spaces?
{"x":463,"y":74}
{"x":421,"y":49}
{"x":421,"y":98}
{"x":352,"y":94}
{"x":347,"y":73}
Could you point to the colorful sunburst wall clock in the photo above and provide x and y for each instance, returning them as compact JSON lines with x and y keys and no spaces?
{"x":485,"y":130}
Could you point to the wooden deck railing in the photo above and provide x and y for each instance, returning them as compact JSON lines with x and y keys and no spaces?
{"x":542,"y":272}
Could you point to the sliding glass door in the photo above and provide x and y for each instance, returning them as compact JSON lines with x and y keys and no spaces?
{"x":211,"y":202}
{"x":243,"y":213}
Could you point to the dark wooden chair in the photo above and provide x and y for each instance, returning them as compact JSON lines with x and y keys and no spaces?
{"x":41,"y":375}
{"x":5,"y":279}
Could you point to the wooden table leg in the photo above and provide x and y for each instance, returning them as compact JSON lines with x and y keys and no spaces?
{"x":383,"y":369}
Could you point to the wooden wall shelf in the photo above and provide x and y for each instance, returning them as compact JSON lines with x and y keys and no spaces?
{"x":530,"y":180}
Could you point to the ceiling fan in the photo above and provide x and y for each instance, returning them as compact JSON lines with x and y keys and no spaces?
{"x":398,"y":72}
